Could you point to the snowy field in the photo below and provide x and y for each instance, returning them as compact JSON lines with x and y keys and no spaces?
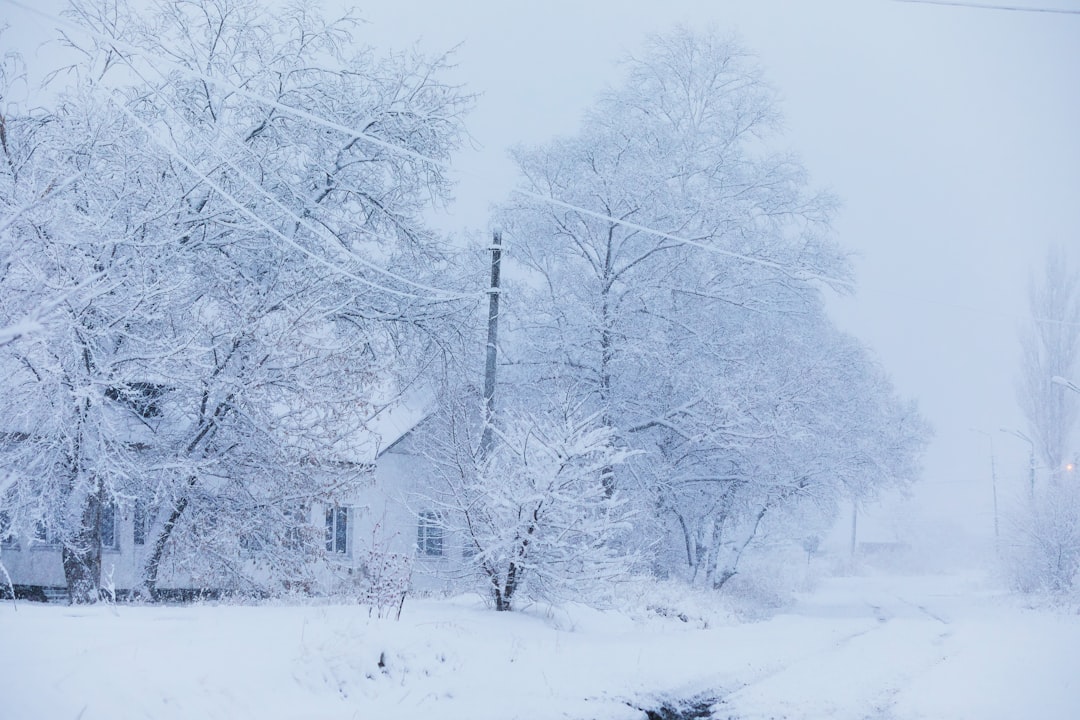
{"x":859,"y":647}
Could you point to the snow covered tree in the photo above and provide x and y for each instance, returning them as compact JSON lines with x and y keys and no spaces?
{"x":1044,"y":553}
{"x":1050,"y":343}
{"x":65,"y":442}
{"x":534,"y":514}
{"x":246,"y":232}
{"x":798,"y":415}
{"x":673,"y":268}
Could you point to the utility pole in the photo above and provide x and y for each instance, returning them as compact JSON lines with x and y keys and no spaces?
{"x":492,"y":344}
{"x":1031,"y":458}
{"x":993,"y":485}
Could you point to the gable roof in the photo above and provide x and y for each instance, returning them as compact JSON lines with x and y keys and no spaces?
{"x":390,"y":422}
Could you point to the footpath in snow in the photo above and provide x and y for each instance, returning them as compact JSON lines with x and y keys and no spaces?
{"x":888,"y":648}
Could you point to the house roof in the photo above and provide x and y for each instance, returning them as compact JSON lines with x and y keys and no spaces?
{"x":391,"y":421}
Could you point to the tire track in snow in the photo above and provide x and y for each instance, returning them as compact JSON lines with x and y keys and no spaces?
{"x":883,"y":709}
{"x":775,"y":671}
{"x":858,"y":677}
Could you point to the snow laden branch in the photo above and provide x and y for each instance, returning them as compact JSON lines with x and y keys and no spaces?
{"x":534,"y":513}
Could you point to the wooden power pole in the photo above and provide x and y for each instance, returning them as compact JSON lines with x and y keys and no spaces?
{"x":492,"y":344}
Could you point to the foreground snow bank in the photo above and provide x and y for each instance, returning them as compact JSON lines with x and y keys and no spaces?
{"x":859,"y":647}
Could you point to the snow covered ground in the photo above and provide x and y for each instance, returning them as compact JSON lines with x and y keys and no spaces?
{"x":896,"y":648}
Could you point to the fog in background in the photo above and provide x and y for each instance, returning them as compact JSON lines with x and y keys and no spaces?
{"x":949,"y":134}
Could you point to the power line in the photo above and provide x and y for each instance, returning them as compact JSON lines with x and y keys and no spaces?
{"x":986,"y":6}
{"x":798,"y":273}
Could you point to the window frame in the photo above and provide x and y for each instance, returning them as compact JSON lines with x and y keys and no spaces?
{"x":430,"y":535}
{"x":44,"y":536}
{"x":111,"y":511}
{"x":337,"y":530}
{"x":140,"y":523}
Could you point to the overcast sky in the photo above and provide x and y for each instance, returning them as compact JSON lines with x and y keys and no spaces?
{"x":949,"y":134}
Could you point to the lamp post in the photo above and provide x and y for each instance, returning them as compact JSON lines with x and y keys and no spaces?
{"x":993,"y":485}
{"x":1031,"y":457}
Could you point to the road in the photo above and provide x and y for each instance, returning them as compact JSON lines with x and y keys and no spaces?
{"x":912,"y":648}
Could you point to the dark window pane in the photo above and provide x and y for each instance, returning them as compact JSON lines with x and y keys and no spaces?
{"x":342,"y":530}
{"x":337,"y":530}
{"x":250,"y":541}
{"x":330,"y":529}
{"x":108,"y":526}
{"x":141,"y":397}
{"x":140,"y":520}
{"x":294,"y":533}
{"x":435,"y":541}
{"x":429,"y":535}
{"x":6,"y":535}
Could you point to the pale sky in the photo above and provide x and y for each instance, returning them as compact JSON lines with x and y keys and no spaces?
{"x":949,"y":134}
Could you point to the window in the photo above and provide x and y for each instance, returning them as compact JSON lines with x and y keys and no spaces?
{"x":469,"y":550}
{"x":7,"y":537}
{"x":288,"y":528}
{"x":141,"y":520}
{"x":298,"y":524}
{"x":429,"y":535}
{"x":251,"y":542}
{"x":110,"y":538}
{"x":337,"y":530}
{"x":44,"y":534}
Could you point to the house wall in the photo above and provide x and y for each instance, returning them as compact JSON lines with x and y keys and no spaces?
{"x":32,"y":562}
{"x":383,"y":517}
{"x":386,"y":517}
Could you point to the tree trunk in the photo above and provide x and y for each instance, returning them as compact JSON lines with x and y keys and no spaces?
{"x":81,"y":552}
{"x":207,"y":429}
{"x":153,"y":563}
{"x":729,"y":567}
{"x":504,"y":596}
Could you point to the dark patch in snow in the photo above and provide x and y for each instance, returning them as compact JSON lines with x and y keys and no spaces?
{"x":699,"y":708}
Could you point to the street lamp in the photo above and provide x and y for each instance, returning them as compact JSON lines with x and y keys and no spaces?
{"x":1031,"y":456}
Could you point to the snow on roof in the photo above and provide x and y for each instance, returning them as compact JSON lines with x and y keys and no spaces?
{"x":392,"y":420}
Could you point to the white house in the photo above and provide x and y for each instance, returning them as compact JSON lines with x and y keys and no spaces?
{"x":382,"y":528}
